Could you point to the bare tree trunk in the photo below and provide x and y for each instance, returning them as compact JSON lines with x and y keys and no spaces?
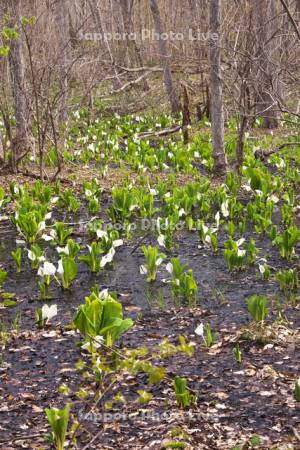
{"x":216,"y":96}
{"x":267,"y":77}
{"x":133,"y":50}
{"x":63,"y":33}
{"x":17,"y":73}
{"x":164,"y":59}
{"x":98,"y":22}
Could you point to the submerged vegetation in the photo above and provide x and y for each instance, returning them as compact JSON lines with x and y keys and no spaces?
{"x":66,"y":240}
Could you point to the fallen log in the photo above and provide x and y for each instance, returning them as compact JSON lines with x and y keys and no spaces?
{"x":263,"y":154}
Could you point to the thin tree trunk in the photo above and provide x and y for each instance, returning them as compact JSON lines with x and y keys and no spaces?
{"x":132,"y":49}
{"x":17,"y":73}
{"x":164,"y":59}
{"x":267,"y":77}
{"x":63,"y":32}
{"x":216,"y":94}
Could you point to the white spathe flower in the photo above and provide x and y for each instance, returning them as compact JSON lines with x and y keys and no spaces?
{"x":101,"y":234}
{"x":208,"y":239}
{"x":88,"y":193}
{"x":54,"y":200}
{"x":158,"y":261}
{"x":241,"y":252}
{"x":48,"y":312}
{"x":262,"y":268}
{"x":96,"y":343}
{"x":169,"y":267}
{"x":240,"y":242}
{"x":64,"y":250}
{"x":181,"y":212}
{"x":200,"y":330}
{"x":152,"y":191}
{"x":196,"y":155}
{"x":161,"y":240}
{"x":48,"y":216}
{"x":48,"y":269}
{"x":224,"y":208}
{"x":117,"y":243}
{"x":41,"y":226}
{"x":47,"y":237}
{"x":104,"y":294}
{"x":143,"y":270}
{"x":107,"y":258}
{"x":31,"y":255}
{"x":217,"y":218}
{"x":167,"y":195}
{"x":273,"y":198}
{"x":60,"y":268}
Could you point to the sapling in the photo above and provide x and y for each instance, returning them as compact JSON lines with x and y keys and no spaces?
{"x":257,"y":307}
{"x":71,"y":249}
{"x":183,"y":396}
{"x":265,"y":271}
{"x":36,"y":256}
{"x":288,"y":280}
{"x":45,"y":314}
{"x":237,"y":354}
{"x":101,"y":315}
{"x":297,"y":390}
{"x":287,"y":242}
{"x":184,"y":285}
{"x":67,"y":271}
{"x":153,"y":260}
{"x":58,"y":420}
{"x":59,"y":234}
{"x":209,"y":338}
{"x":3,"y":276}
{"x":17,"y":257}
{"x":93,"y":259}
{"x":47,"y":272}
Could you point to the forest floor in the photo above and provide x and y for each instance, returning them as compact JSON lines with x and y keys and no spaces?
{"x":239,"y":404}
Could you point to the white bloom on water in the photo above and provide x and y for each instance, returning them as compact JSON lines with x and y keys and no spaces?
{"x":41,"y":226}
{"x":169,"y":267}
{"x":31,"y":255}
{"x":208,"y":239}
{"x":273,"y":198}
{"x":48,"y":312}
{"x":104,"y":294}
{"x":107,"y":258}
{"x":47,"y":237}
{"x":217,"y":218}
{"x":259,"y":192}
{"x":54,"y":200}
{"x":240,"y":242}
{"x":200,"y":330}
{"x":161,"y":240}
{"x":101,"y":234}
{"x":60,"y":268}
{"x":96,"y":343}
{"x":143,"y":270}
{"x":158,"y":261}
{"x":117,"y":243}
{"x":224,"y":208}
{"x":262,"y":268}
{"x":48,"y":269}
{"x":64,"y":250}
